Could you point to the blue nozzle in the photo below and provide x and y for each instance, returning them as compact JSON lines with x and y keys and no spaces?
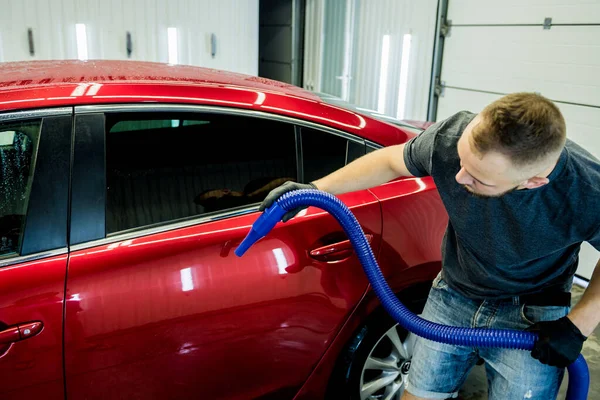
{"x":263,"y":225}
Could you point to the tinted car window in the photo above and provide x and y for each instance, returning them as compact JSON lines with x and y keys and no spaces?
{"x":18,"y":143}
{"x":165,"y":171}
{"x":324,"y":152}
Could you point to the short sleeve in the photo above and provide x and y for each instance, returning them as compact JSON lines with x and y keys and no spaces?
{"x":418,"y":151}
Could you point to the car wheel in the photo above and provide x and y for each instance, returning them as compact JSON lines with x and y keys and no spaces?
{"x":376,"y":362}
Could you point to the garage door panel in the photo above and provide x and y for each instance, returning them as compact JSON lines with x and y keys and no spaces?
{"x":524,"y":58}
{"x":523,"y":12}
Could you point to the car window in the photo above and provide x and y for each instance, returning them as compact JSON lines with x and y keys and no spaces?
{"x":323,"y":152}
{"x":18,"y":144}
{"x":160,"y":171}
{"x":126,"y":126}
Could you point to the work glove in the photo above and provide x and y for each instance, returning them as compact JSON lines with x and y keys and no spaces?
{"x":559,"y":344}
{"x":280,"y":190}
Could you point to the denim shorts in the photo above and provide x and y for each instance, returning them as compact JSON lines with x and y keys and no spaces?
{"x":439,"y":370}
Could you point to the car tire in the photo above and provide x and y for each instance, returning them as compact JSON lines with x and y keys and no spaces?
{"x":375,"y":363}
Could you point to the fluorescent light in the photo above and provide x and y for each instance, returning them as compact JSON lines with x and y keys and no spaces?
{"x":82,"y":52}
{"x":383,"y":72}
{"x":403,"y":76}
{"x":282,"y":263}
{"x":172,"y":43}
{"x":187,"y":283}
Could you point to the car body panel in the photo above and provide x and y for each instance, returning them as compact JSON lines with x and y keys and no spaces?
{"x":414,"y":224}
{"x":175,"y":313}
{"x":33,"y":291}
{"x":34,"y":204}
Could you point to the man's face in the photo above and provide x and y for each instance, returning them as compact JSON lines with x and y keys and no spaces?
{"x":491,"y":174}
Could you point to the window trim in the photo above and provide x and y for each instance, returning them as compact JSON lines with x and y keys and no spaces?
{"x":187,"y":108}
{"x":20,"y":258}
{"x":35,"y":114}
{"x":175,"y":108}
{"x":88,"y":179}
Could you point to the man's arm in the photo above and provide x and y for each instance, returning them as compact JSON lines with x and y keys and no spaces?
{"x":560,"y":342}
{"x":586,"y":313}
{"x":372,"y":169}
{"x":365,"y":172}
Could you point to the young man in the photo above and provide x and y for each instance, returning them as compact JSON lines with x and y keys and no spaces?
{"x":521,"y":199}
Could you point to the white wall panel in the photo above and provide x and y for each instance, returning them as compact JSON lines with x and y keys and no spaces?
{"x":583,"y":126}
{"x":371,"y":21}
{"x":394,"y":18}
{"x":313,"y":44}
{"x":523,"y":12}
{"x":562,"y":63}
{"x":235,"y":24}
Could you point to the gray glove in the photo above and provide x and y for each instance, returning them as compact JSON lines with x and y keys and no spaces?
{"x":280,"y":190}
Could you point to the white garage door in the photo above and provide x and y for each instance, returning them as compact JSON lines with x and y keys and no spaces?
{"x":495,"y":48}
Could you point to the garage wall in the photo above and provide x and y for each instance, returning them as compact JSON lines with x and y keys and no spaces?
{"x":234,"y":23}
{"x":344,"y":56}
{"x":495,"y":48}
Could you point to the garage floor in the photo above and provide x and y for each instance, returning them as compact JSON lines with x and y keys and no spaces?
{"x":475,"y":388}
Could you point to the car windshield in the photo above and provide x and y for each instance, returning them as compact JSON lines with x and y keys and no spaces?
{"x":336,"y":101}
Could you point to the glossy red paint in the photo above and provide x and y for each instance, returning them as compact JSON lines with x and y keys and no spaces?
{"x":32,"y":367}
{"x":414,"y":223}
{"x":175,"y":313}
{"x":38,"y":84}
{"x":317,"y":384}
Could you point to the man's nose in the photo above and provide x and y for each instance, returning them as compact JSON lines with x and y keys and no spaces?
{"x":463,"y":177}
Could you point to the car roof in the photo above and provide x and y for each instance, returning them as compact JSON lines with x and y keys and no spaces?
{"x":40,"y":74}
{"x":54,"y":83}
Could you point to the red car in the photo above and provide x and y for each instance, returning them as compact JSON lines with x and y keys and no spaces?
{"x":127,"y":186}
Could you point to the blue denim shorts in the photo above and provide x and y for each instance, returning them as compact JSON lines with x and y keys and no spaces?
{"x":439,"y":370}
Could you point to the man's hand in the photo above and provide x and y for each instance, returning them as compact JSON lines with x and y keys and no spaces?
{"x":559,"y":344}
{"x":280,"y":190}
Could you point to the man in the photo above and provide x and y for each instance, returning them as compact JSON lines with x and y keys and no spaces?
{"x":521,"y":199}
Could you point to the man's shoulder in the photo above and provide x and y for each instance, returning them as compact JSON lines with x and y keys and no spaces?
{"x":583,"y":165}
{"x":453,"y":126}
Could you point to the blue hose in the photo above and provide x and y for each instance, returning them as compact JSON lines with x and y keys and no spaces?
{"x":579,"y":378}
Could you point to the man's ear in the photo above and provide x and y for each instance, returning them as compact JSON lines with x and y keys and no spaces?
{"x":534,"y":182}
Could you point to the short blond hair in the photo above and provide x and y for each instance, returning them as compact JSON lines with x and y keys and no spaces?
{"x":526,"y":127}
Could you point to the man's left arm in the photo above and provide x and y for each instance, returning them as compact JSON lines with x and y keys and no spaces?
{"x":586,"y":313}
{"x":560,"y":342}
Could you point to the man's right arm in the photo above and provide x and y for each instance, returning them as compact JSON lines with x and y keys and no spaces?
{"x":372,"y":169}
{"x":412,"y":158}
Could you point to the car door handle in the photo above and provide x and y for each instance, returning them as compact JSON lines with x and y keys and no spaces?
{"x":20,"y":332}
{"x":336,"y":251}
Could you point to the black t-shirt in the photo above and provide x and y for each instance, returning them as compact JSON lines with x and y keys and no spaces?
{"x":524,"y":242}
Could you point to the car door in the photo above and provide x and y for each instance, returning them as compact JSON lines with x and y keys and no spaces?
{"x":35,"y":148}
{"x":158,"y":304}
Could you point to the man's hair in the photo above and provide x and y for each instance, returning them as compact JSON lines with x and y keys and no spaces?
{"x":525,"y":127}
